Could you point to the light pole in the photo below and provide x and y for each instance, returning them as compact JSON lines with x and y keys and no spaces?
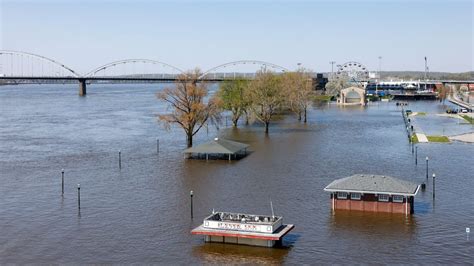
{"x":434,"y":176}
{"x":79,"y":196}
{"x":427,"y":159}
{"x":416,"y":155}
{"x":426,"y":73}
{"x":376,"y":87}
{"x":62,"y":182}
{"x":380,"y":65}
{"x":191,"y":194}
{"x":332,"y":68}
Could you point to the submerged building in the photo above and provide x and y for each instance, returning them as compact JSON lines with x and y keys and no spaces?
{"x":243,"y":229}
{"x":218,"y":149}
{"x":374,"y":193}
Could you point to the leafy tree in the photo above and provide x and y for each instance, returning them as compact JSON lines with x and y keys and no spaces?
{"x":266,"y":95}
{"x":231,"y":97}
{"x":189,"y":109}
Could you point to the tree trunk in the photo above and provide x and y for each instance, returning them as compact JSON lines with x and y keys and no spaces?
{"x":247,"y":122}
{"x":305,"y":120}
{"x":235,"y":119}
{"x":189,"y":139}
{"x":299,"y":116}
{"x":266,"y":127}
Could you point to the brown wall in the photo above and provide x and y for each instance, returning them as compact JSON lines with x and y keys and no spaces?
{"x":373,"y":206}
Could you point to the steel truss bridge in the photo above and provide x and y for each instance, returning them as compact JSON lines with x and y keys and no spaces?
{"x":22,"y":67}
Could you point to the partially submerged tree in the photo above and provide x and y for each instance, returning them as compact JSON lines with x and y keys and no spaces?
{"x":298,"y":90}
{"x":231,"y":97}
{"x":189,"y":108}
{"x":266,"y":95}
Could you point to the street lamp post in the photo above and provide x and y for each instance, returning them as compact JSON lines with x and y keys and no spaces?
{"x":79,"y":196}
{"x":416,"y":155}
{"x":332,"y":68}
{"x":427,"y":159}
{"x":191,"y":194}
{"x":62,"y":182}
{"x":380,"y":66}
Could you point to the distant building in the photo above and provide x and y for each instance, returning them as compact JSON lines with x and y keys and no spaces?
{"x":391,"y":87}
{"x":374,"y":193}
{"x":319,"y":83}
{"x":352,"y":96}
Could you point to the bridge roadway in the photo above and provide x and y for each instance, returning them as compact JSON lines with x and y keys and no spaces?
{"x":83,"y":80}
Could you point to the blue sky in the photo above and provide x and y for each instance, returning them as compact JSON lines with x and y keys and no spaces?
{"x":87,"y":34}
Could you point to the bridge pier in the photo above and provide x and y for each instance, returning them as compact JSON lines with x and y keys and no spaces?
{"x":82,"y":87}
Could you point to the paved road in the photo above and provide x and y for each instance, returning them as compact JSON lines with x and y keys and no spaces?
{"x":469,"y":137}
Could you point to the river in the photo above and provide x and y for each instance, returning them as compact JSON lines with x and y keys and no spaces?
{"x":141,"y":214}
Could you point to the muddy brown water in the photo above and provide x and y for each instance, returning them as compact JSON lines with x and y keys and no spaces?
{"x":141,"y":213}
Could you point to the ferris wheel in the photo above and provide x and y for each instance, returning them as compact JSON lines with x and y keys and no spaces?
{"x":353,"y":71}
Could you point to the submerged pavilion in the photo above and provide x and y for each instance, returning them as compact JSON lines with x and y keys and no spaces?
{"x":218,"y":149}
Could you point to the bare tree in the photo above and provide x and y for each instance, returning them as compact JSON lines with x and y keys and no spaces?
{"x":266,"y":95}
{"x":298,"y":89}
{"x":189,"y":109}
{"x":335,"y":86}
{"x":443,"y":93}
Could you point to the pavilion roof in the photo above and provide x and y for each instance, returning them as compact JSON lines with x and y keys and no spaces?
{"x":377,"y":184}
{"x":218,"y":146}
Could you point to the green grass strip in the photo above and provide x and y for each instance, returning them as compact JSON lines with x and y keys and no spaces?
{"x":468,"y":118}
{"x":437,"y":138}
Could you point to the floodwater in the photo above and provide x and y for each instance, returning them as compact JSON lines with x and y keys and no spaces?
{"x":141,"y":212}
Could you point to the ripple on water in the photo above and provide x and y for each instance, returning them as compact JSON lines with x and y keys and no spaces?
{"x":140,"y":213}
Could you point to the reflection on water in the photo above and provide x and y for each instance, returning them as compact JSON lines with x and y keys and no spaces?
{"x":238,"y":254}
{"x":373,"y":225}
{"x":141,"y":212}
